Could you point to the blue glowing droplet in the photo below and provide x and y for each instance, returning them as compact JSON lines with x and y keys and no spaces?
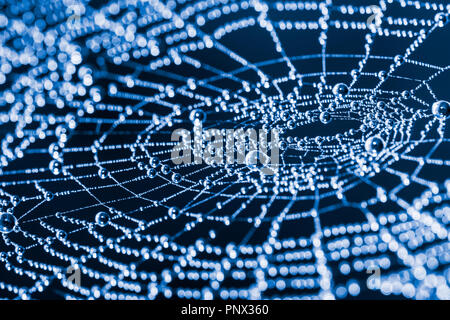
{"x":441,"y":108}
{"x":102,"y":218}
{"x":197,"y":116}
{"x":173,"y":212}
{"x":374,"y":145}
{"x":325,"y":117}
{"x":7,"y":222}
{"x":340,"y":90}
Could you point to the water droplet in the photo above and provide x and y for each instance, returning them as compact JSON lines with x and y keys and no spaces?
{"x":441,"y":18}
{"x":154,"y":162}
{"x":103,"y":173}
{"x":173,"y":212}
{"x":382,"y":75}
{"x":165,"y":169}
{"x":207,"y":184}
{"x":399,"y":59}
{"x":381,"y":104}
{"x":15,"y":200}
{"x":7,"y":222}
{"x":325,"y":117}
{"x":355,"y":73}
{"x":176,"y":177}
{"x":197,"y":116}
{"x":141,"y":166}
{"x":55,"y":167}
{"x":340,"y":90}
{"x":19,"y":250}
{"x":61,"y":235}
{"x":102,"y":218}
{"x":284,"y":115}
{"x":48,"y":195}
{"x":291,"y":124}
{"x":441,"y":108}
{"x":406,"y":94}
{"x":151,"y":173}
{"x":374,"y":145}
{"x":354,"y":106}
{"x":54,"y":149}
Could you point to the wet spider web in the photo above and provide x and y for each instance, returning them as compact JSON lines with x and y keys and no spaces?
{"x":91,"y":94}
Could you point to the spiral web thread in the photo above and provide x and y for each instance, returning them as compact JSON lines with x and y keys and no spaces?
{"x":91,"y":93}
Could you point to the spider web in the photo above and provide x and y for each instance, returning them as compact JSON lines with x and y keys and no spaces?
{"x":91,"y":94}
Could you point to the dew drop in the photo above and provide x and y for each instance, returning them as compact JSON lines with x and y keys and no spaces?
{"x":102,"y":218}
{"x":176,"y":177}
{"x":441,"y":108}
{"x":103,"y":173}
{"x":151,"y":173}
{"x":7,"y":222}
{"x":55,"y":167}
{"x":154,"y":162}
{"x":165,"y":169}
{"x":173,"y":212}
{"x":325,"y":117}
{"x":197,"y":116}
{"x":374,"y":145}
{"x":340,"y":90}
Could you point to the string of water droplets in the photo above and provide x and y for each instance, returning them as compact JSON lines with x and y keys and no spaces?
{"x":91,"y":94}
